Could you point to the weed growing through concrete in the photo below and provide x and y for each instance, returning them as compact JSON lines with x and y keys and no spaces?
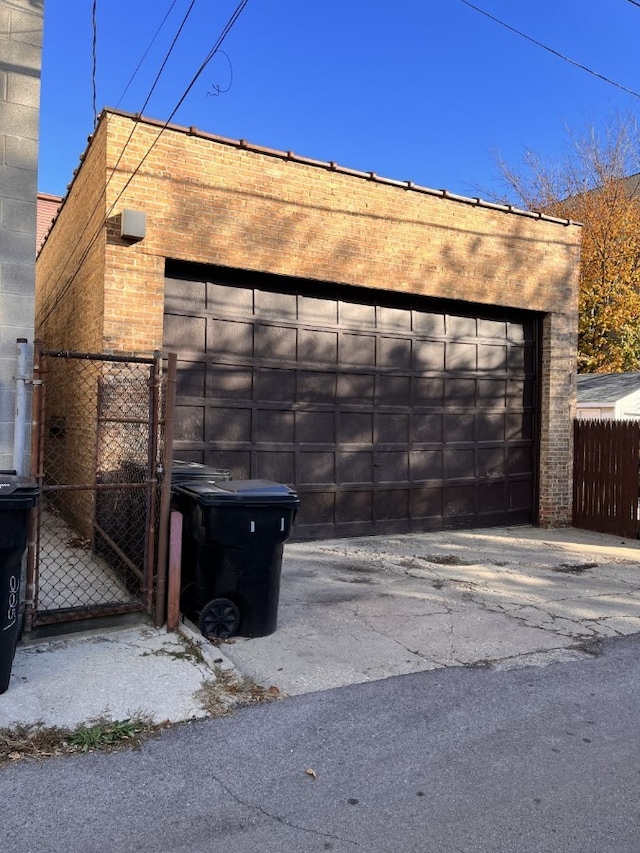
{"x":229,"y":691}
{"x":38,"y":741}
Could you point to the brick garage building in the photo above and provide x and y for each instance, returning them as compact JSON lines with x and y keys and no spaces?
{"x":404,"y":357}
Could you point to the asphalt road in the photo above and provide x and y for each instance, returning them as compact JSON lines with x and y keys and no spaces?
{"x":534,"y":759}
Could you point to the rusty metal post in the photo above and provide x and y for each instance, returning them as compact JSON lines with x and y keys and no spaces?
{"x":165,"y":492}
{"x":37,"y":472}
{"x":175,"y":561}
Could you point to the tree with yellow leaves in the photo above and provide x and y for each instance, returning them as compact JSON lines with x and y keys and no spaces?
{"x":598,"y":185}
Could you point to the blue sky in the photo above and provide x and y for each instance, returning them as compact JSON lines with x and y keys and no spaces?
{"x":421,"y":90}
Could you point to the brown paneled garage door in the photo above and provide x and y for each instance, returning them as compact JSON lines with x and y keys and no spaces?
{"x":388,"y":414}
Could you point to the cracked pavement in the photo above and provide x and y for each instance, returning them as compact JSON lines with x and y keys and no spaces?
{"x":358,"y":610}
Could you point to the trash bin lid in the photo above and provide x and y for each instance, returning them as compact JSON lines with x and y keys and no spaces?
{"x":182,"y":471}
{"x":253,"y":492}
{"x":14,"y":486}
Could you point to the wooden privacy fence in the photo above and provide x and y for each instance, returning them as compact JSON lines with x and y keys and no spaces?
{"x":605,"y":478}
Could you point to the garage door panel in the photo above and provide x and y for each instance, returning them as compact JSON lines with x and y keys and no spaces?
{"x":427,"y":428}
{"x":459,"y":426}
{"x":185,"y":334}
{"x":275,"y":465}
{"x":274,"y":384}
{"x":392,"y":428}
{"x":428,"y":355}
{"x":227,"y":337}
{"x":227,"y":424}
{"x":428,"y":324}
{"x":393,"y":390}
{"x":460,"y":327}
{"x":460,"y":390}
{"x":355,"y":428}
{"x":491,"y":329}
{"x":354,"y":506}
{"x":317,"y":312}
{"x":190,"y":379}
{"x":395,"y":352}
{"x":391,"y":504}
{"x":318,"y":510}
{"x":231,"y":459}
{"x":317,"y":387}
{"x":427,"y":502}
{"x":315,"y":427}
{"x":493,"y":358}
{"x":459,"y":463}
{"x":189,"y":424}
{"x":491,"y":497}
{"x":228,"y":300}
{"x":385,"y":416}
{"x":356,"y":388}
{"x":355,"y":466}
{"x":317,"y":346}
{"x":276,"y":342}
{"x":426,"y":465}
{"x":519,"y":495}
{"x":357,"y":315}
{"x":277,"y":424}
{"x":393,"y":318}
{"x":519,"y":426}
{"x":492,"y":392}
{"x":316,"y":467}
{"x":491,"y":462}
{"x":519,"y":460}
{"x":490,"y":426}
{"x":459,"y":502}
{"x":228,"y":382}
{"x":391,"y":466}
{"x":184,"y":297}
{"x":461,"y":357}
{"x":427,"y":392}
{"x":357,"y":349}
{"x":276,"y":305}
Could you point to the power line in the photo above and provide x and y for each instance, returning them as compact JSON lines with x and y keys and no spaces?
{"x":94,"y":27}
{"x":551,"y":50}
{"x":225,"y":32}
{"x":635,"y":3}
{"x":144,"y":55}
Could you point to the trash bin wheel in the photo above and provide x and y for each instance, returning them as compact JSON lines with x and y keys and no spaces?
{"x":220,"y":618}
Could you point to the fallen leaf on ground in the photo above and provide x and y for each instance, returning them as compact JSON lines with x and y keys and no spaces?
{"x":311,"y":772}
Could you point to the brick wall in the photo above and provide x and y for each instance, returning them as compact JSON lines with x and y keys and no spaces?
{"x":220,"y":202}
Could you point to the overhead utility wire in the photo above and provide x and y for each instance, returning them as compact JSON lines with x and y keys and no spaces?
{"x":94,"y":27}
{"x":225,"y":32}
{"x":551,"y":50}
{"x":635,"y":3}
{"x":144,"y":55}
{"x":113,"y":171}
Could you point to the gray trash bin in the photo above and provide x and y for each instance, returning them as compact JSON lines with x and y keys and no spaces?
{"x":17,"y":497}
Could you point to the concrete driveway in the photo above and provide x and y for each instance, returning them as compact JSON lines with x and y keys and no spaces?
{"x":352,"y":611}
{"x":356,"y":610}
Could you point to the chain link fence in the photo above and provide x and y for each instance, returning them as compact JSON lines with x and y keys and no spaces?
{"x":100,"y":454}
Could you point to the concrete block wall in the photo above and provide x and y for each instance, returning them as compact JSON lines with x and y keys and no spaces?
{"x":214,"y":201}
{"x":20,"y":63}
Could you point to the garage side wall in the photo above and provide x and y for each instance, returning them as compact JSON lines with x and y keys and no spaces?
{"x":70,"y":266}
{"x":219,"y":202}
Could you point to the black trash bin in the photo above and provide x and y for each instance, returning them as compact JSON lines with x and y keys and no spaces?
{"x":17,"y":496}
{"x":233,"y":536}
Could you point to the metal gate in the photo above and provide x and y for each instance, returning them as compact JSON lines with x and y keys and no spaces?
{"x":101,"y":440}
